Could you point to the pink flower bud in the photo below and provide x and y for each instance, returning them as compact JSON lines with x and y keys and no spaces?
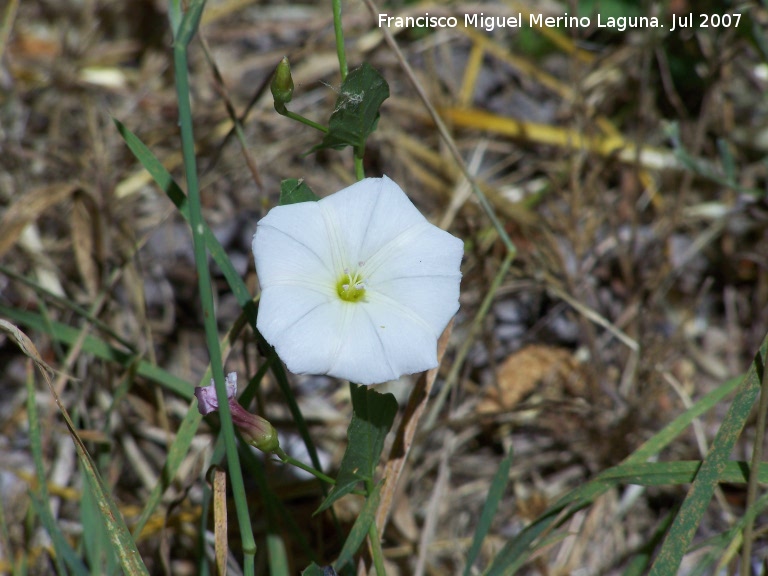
{"x":257,"y":431}
{"x":207,"y":401}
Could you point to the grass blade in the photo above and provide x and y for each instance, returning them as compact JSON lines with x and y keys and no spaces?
{"x":94,"y":345}
{"x":63,"y":551}
{"x":495,"y":493}
{"x":700,"y":493}
{"x":166,"y":183}
{"x":517,"y":551}
{"x":122,"y":542}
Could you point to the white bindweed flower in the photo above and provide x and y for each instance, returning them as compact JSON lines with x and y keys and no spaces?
{"x":358,"y":285}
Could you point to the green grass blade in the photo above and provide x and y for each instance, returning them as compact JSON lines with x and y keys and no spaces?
{"x":183,"y":440}
{"x":165,"y":181}
{"x":673,"y":473}
{"x":62,"y":549}
{"x":67,"y":304}
{"x":517,"y":551}
{"x":97,"y":347}
{"x":278,"y":559}
{"x":667,"y":435}
{"x":176,"y":453}
{"x":720,"y":543}
{"x":101,"y":557}
{"x":700,"y":493}
{"x":64,"y":556}
{"x":495,"y":493}
{"x":123,"y":544}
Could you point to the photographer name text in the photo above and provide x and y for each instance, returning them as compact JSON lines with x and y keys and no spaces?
{"x":620,"y":23}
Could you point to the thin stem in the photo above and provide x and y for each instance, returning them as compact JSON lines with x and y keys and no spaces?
{"x":754,"y":471}
{"x":340,"y":51}
{"x":298,"y":117}
{"x":359,"y":171}
{"x":186,"y":32}
{"x":307,"y":468}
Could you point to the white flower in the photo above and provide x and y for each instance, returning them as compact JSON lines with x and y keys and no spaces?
{"x":358,"y":285}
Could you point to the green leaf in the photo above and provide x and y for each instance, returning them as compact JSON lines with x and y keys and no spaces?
{"x":372,"y":416}
{"x":495,"y":493}
{"x":360,"y":528}
{"x":357,"y":110}
{"x":293,"y":191}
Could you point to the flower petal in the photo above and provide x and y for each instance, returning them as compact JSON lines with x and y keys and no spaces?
{"x":207,"y":400}
{"x":384,"y":342}
{"x":423,"y":250}
{"x":309,"y":344}
{"x":291,"y":247}
{"x":368,"y":215}
{"x":434,"y":300}
{"x":282,"y":307}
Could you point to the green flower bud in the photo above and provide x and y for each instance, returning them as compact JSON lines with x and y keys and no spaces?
{"x":282,"y":85}
{"x":255,"y":430}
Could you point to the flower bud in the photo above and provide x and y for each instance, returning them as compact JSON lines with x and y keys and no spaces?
{"x":257,"y":431}
{"x":282,"y":85}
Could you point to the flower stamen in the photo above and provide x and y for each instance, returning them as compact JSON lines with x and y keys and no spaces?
{"x":351,"y":287}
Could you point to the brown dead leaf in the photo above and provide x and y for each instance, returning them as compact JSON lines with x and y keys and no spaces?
{"x":27,"y":209}
{"x":84,"y":233}
{"x":532,"y":368}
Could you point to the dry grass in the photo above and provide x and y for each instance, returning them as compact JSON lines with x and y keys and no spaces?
{"x":638,"y":284}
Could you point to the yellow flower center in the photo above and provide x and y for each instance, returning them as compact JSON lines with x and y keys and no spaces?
{"x":351,"y":287}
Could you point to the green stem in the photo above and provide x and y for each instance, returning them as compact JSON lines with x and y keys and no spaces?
{"x":186,"y":32}
{"x":340,"y":40}
{"x":359,"y":171}
{"x":316,"y":473}
{"x":377,"y":553}
{"x":299,"y":118}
